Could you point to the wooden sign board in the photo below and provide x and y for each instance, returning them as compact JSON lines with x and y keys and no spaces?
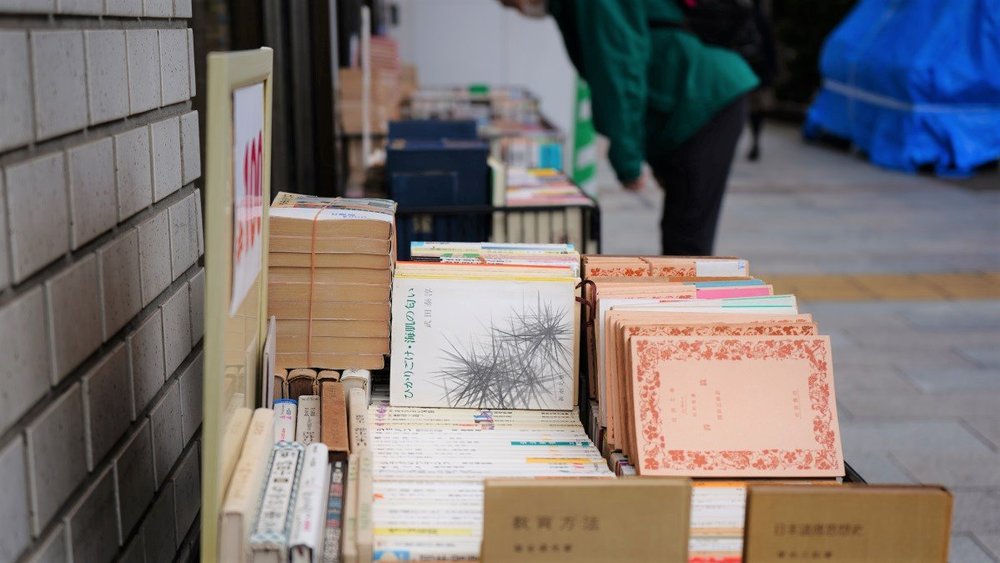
{"x":848,"y":524}
{"x":237,"y":191}
{"x":582,"y":520}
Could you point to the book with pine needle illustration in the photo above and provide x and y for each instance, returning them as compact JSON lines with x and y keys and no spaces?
{"x":483,"y":343}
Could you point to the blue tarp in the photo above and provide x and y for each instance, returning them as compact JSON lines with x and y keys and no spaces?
{"x":914,"y":83}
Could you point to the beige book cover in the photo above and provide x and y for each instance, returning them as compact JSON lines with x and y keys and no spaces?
{"x":848,"y":524}
{"x":742,"y":406}
{"x":338,"y":292}
{"x":621,"y":325}
{"x":328,"y":275}
{"x":333,"y":420}
{"x":586,"y":520}
{"x":332,"y":345}
{"x":331,"y":361}
{"x":351,"y":328}
{"x":366,"y":493}
{"x":349,"y":535}
{"x":303,"y":226}
{"x":328,"y":245}
{"x":328,"y":260}
{"x":240,"y":504}
{"x":330,"y":310}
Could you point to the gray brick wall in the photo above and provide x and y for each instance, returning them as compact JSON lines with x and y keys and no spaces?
{"x":101,"y":283}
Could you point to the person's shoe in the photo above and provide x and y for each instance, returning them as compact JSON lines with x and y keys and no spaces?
{"x":754,"y":154}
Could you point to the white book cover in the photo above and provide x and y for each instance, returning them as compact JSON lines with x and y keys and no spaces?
{"x":277,"y":504}
{"x":307,"y":425}
{"x":306,"y":541}
{"x":504,"y":344}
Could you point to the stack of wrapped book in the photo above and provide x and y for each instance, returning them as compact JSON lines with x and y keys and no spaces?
{"x":330,"y":269}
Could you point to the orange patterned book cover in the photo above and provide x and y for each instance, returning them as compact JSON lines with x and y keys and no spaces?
{"x":747,"y":406}
{"x":625,"y":325}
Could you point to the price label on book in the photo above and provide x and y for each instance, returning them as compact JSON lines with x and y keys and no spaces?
{"x":586,"y":520}
{"x":856,"y":524}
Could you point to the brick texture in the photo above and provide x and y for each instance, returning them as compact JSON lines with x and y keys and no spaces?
{"x":134,"y":477}
{"x":133,"y":171}
{"x":158,"y":529}
{"x":74,"y":297}
{"x":107,"y":395}
{"x":91,"y":190}
{"x":60,"y":82}
{"x":38,"y":213}
{"x":121,"y":295}
{"x":187,"y":491}
{"x":101,"y":293}
{"x":168,"y":440}
{"x":143,"y":69}
{"x":17,"y":120}
{"x":93,"y":522}
{"x":14,"y":518}
{"x":24,"y":376}
{"x":107,"y":75}
{"x":154,"y":256}
{"x":57,"y":435}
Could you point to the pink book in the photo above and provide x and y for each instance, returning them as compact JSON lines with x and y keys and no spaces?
{"x":739,"y":291}
{"x":745,"y":406}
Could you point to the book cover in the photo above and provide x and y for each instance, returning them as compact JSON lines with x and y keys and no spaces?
{"x":333,"y":421}
{"x":269,"y":540}
{"x":237,"y":513}
{"x":308,"y":419}
{"x":305,"y":542}
{"x":285,"y":415}
{"x":334,"y":513}
{"x":483,"y":343}
{"x":750,"y":406}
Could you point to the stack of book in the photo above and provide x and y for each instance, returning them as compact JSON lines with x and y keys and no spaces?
{"x":329,"y":275}
{"x":699,"y":370}
{"x":288,"y":496}
{"x":430,"y":463}
{"x":550,"y":208}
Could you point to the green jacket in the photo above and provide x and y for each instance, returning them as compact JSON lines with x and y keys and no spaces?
{"x":652,"y":88}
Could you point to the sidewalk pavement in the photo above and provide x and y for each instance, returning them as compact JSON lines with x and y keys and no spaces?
{"x":903,"y":271}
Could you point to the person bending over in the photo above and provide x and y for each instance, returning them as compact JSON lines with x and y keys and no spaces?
{"x":662,"y":96}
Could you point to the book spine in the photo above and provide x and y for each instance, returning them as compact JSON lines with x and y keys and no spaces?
{"x":366,"y":493}
{"x":349,"y":535}
{"x":334,"y":514}
{"x":300,"y":381}
{"x":308,"y":420}
{"x":306,"y":538}
{"x":280,"y":384}
{"x":357,"y":410}
{"x":360,"y":378}
{"x":245,"y":487}
{"x":285,"y":412}
{"x":333,"y":417}
{"x":277,"y":504}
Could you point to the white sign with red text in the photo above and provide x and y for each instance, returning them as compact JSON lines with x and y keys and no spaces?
{"x":248,"y":187}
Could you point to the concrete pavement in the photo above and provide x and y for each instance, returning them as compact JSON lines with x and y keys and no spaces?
{"x":903,"y":272}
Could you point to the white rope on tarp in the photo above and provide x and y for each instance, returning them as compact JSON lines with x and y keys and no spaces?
{"x":888,"y":102}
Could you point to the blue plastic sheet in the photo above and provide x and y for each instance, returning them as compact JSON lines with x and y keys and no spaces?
{"x":914,"y":83}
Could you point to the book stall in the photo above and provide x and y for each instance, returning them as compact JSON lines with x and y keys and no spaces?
{"x":502,"y":399}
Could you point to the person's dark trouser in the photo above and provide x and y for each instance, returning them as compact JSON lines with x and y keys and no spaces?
{"x":693,"y":177}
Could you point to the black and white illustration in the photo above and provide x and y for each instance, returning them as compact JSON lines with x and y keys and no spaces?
{"x":483,"y":344}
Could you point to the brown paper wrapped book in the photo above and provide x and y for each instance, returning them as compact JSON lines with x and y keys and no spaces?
{"x":329,"y":280}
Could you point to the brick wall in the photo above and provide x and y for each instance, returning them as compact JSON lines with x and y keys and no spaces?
{"x":101,"y":286}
